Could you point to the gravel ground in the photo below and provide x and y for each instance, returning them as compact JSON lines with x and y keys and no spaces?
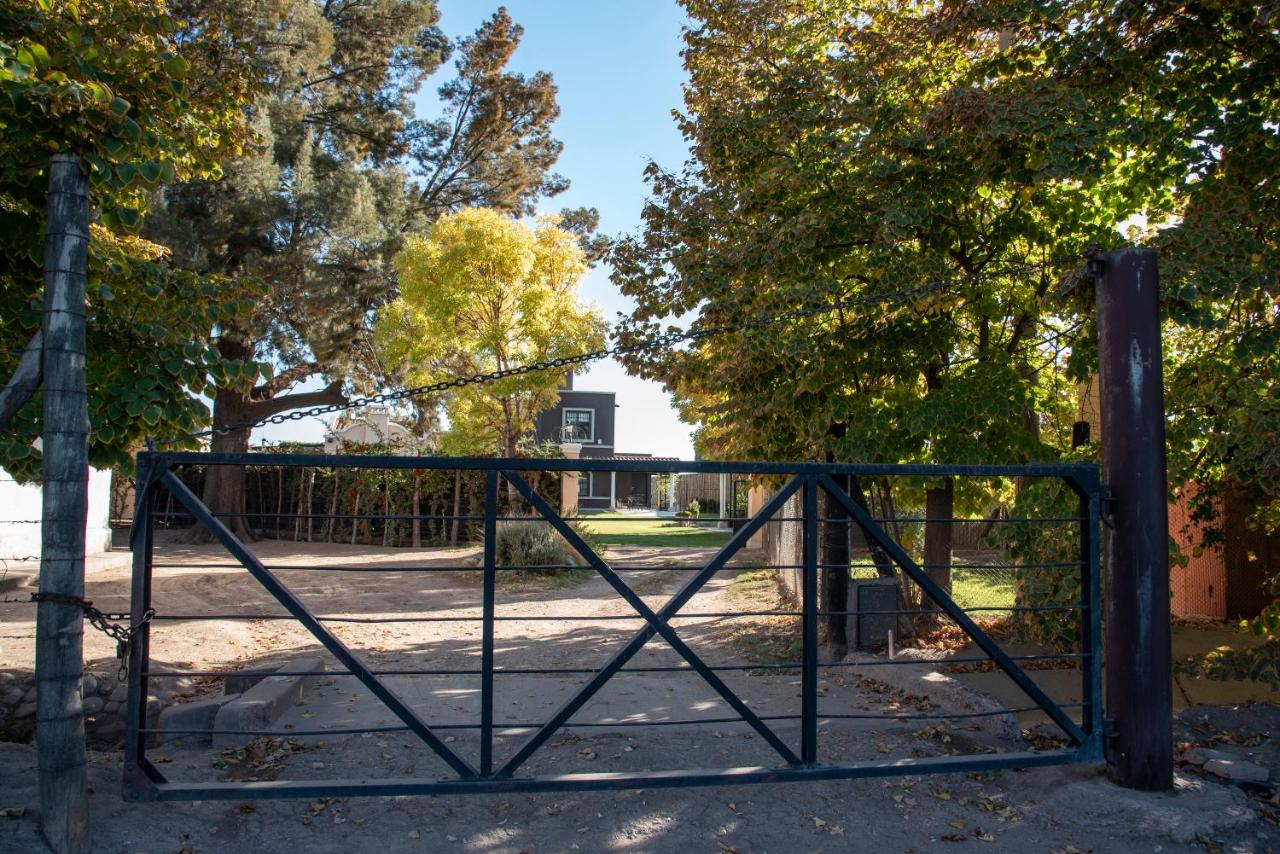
{"x":1047,"y":810}
{"x":1050,"y":810}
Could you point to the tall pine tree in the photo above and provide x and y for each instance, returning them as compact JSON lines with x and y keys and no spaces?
{"x":344,"y":171}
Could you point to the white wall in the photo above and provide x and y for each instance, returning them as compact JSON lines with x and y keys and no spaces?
{"x":21,"y":502}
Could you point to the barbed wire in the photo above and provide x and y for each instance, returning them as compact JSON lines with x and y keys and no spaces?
{"x":902,"y":296}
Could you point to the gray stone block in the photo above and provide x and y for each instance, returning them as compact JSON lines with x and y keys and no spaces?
{"x":261,"y":705}
{"x":92,"y":705}
{"x":88,"y":685}
{"x":1201,"y":755}
{"x":119,"y":694}
{"x":26,"y":710}
{"x":1237,"y":770}
{"x":239,"y":684}
{"x":197,"y":715}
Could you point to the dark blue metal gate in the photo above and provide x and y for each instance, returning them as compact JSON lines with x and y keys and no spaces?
{"x":158,"y":472}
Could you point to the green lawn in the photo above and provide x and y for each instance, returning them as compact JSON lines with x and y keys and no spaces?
{"x":979,"y":588}
{"x":625,"y":529}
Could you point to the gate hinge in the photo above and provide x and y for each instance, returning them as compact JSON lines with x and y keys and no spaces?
{"x":1110,"y":740}
{"x":1107,"y":507}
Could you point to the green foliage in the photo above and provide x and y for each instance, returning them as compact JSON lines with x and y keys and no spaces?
{"x":1033,"y":543}
{"x":481,"y":292}
{"x":117,"y":83}
{"x":530,"y":544}
{"x":848,"y":149}
{"x":347,"y":171}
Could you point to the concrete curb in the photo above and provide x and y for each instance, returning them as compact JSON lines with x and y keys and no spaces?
{"x":260,"y":706}
{"x":198,"y":714}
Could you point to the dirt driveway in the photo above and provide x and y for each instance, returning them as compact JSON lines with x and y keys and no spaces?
{"x":196,"y":591}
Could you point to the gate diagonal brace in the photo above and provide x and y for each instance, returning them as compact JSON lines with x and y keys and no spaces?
{"x":295,"y":606}
{"x":656,"y":623}
{"x":947,"y":604}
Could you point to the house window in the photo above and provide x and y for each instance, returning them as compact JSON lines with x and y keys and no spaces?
{"x":584,"y":484}
{"x":580,"y":424}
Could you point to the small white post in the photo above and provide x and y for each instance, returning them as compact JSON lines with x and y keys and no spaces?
{"x":613,"y":489}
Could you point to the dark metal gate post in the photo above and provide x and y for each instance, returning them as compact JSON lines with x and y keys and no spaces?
{"x":1138,"y":665}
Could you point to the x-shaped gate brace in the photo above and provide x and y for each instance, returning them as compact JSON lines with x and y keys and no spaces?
{"x":144,"y":780}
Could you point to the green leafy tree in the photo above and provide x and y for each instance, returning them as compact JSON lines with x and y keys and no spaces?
{"x":122,"y":85}
{"x":857,"y":150}
{"x":347,"y":171}
{"x":483,"y":292}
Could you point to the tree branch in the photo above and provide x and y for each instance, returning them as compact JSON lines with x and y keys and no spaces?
{"x":332,"y":393}
{"x":283,"y":380}
{"x":25,"y":380}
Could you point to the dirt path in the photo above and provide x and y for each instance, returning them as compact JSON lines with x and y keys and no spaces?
{"x":1045,"y":810}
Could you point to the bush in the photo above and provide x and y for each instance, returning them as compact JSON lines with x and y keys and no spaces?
{"x":694,"y":508}
{"x":537,"y":544}
{"x":531,"y":544}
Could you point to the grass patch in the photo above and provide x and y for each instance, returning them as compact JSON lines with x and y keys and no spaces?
{"x":619,"y":529}
{"x":981,"y":588}
{"x":518,"y":581}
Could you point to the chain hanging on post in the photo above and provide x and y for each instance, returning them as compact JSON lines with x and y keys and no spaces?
{"x":107,"y":622}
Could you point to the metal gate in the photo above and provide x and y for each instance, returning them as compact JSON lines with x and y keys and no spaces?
{"x":1080,"y":724}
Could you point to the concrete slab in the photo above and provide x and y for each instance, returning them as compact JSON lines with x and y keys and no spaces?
{"x":260,"y":706}
{"x":196,"y":715}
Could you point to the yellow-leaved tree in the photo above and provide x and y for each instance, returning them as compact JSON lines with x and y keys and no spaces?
{"x":482,"y":291}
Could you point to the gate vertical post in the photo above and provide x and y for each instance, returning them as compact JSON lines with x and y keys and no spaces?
{"x":809,"y":680}
{"x":143,"y":536}
{"x":1138,"y":657}
{"x":486,"y":650}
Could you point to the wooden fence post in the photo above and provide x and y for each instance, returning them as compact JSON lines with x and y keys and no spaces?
{"x":60,"y":746}
{"x":1136,"y":591}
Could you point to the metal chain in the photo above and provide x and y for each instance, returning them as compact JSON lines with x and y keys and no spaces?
{"x":104,"y":621}
{"x":657,"y":342}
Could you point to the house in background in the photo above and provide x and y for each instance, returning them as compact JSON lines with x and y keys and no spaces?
{"x":589,"y":418}
{"x":1226,"y":580}
{"x":375,"y":428}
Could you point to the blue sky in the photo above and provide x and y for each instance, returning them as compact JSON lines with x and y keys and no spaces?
{"x":617,"y":66}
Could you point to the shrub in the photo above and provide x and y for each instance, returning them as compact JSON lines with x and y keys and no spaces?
{"x":537,"y":544}
{"x":694,"y":508}
{"x":532,"y":544}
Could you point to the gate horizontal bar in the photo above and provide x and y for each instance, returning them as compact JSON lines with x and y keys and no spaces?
{"x":169,"y":791}
{"x":1084,"y":470}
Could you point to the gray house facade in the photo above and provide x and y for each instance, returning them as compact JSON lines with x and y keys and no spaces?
{"x":590,"y":417}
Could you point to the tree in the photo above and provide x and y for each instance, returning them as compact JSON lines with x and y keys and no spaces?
{"x":483,"y":292}
{"x":347,"y":171}
{"x":120,"y":84}
{"x":857,"y":149}
{"x":835,"y":160}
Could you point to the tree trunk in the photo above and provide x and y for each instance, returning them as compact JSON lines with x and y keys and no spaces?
{"x":279,"y":502}
{"x":939,"y":504}
{"x":513,"y":495}
{"x":386,"y":510}
{"x":332,"y":522}
{"x":355,"y":516}
{"x":417,"y":523}
{"x":224,"y":485}
{"x":457,"y":507}
{"x":311,"y":485}
{"x":835,"y":574}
